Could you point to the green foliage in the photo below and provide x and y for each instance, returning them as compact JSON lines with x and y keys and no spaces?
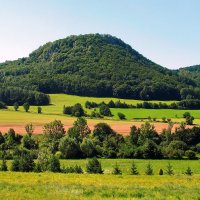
{"x":134,"y":170}
{"x":121,"y":116}
{"x":191,"y":155}
{"x":149,"y":169}
{"x":53,"y":164}
{"x":161,"y":172}
{"x":26,"y":106}
{"x":39,"y":109}
{"x":116,"y":170}
{"x":104,"y":110}
{"x":23,"y":162}
{"x":94,"y":166}
{"x":69,"y":147}
{"x":16,"y":106}
{"x":76,"y":110}
{"x":73,"y":169}
{"x":188,"y":118}
{"x":188,"y":171}
{"x":3,"y":166}
{"x":169,"y":170}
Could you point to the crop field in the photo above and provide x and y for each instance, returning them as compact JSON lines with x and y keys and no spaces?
{"x":12,"y":119}
{"x":16,"y":185}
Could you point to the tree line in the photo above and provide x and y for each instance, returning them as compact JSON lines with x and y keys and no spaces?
{"x":103,"y":142}
{"x":12,"y":95}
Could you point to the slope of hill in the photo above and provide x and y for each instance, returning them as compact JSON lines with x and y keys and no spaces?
{"x":93,"y":65}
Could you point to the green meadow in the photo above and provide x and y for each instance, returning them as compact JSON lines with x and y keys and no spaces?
{"x":17,"y":185}
{"x":59,"y":100}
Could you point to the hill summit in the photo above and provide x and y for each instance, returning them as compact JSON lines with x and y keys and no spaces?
{"x":93,"y":65}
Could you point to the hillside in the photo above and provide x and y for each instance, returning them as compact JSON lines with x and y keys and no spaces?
{"x":93,"y":65}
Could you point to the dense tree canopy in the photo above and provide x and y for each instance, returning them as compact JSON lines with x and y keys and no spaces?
{"x":94,"y":65}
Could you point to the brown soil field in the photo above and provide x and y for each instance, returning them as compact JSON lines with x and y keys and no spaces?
{"x":119,"y":126}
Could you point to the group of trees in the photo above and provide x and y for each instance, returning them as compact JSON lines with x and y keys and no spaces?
{"x":103,"y":141}
{"x":11,"y":95}
{"x":86,"y":65}
{"x":191,"y":104}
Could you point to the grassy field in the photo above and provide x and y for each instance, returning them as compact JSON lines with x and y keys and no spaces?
{"x":15,"y":185}
{"x":10,"y":118}
{"x":59,"y":100}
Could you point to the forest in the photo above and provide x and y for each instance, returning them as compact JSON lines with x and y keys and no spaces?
{"x":96,"y":65}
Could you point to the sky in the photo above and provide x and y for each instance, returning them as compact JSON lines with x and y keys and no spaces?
{"x":165,"y":31}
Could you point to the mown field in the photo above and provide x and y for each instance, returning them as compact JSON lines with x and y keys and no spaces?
{"x":10,"y":118}
{"x":16,"y":185}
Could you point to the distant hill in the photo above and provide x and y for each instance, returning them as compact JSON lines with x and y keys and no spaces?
{"x":94,"y":65}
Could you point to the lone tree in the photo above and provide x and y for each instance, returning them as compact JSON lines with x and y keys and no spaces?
{"x":169,"y":170}
{"x":134,"y":170}
{"x":39,"y":110}
{"x":188,"y":171}
{"x":16,"y":106}
{"x":105,"y":110}
{"x":94,"y":167}
{"x":121,"y":116}
{"x":188,"y":118}
{"x":149,"y":169}
{"x":26,"y":106}
{"x":116,"y":170}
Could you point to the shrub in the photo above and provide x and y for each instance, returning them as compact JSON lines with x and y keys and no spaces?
{"x":26,"y":106}
{"x":116,"y":170}
{"x":104,"y":110}
{"x":121,"y":116}
{"x":3,"y":166}
{"x":39,"y":110}
{"x":188,"y":171}
{"x":190,"y":154}
{"x":94,"y":167}
{"x":149,"y":169}
{"x":53,"y":164}
{"x":134,"y":170}
{"x":160,"y":172}
{"x":16,"y":106}
{"x":72,"y":169}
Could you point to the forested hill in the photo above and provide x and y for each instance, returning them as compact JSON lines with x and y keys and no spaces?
{"x":93,"y":65}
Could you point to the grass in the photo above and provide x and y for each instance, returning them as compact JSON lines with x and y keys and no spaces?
{"x":89,"y":186}
{"x":59,"y":100}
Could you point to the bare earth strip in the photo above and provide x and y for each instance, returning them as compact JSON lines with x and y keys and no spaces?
{"x":120,"y":127}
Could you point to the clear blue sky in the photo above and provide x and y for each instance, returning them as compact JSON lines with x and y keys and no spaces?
{"x":165,"y":31}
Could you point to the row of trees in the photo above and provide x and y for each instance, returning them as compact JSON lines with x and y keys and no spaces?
{"x":183,"y":104}
{"x":104,"y":142}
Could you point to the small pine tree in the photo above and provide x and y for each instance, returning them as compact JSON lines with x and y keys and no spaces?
{"x":4,"y":166}
{"x":116,"y":170}
{"x":149,"y":170}
{"x":94,"y":167}
{"x":134,"y":170}
{"x":169,"y":170}
{"x":188,"y":171}
{"x":160,"y":172}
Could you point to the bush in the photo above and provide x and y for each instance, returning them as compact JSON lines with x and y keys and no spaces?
{"x":39,"y":110}
{"x":16,"y":106}
{"x":72,"y":169}
{"x":105,"y":110}
{"x":190,"y":154}
{"x":121,"y":116}
{"x":53,"y":164}
{"x":3,"y":166}
{"x":26,"y":106}
{"x":160,"y":172}
{"x":116,"y":170}
{"x":94,"y":167}
{"x":188,"y":171}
